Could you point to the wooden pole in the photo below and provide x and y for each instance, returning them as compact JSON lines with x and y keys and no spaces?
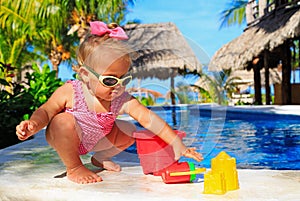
{"x":286,"y":74}
{"x":267,"y":78}
{"x":172,"y":86}
{"x":257,"y":83}
{"x":173,"y":100}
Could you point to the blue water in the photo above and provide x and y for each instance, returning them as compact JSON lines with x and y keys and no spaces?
{"x":256,"y":141}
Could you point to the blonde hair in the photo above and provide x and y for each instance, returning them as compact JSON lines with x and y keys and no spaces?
{"x":92,"y":49}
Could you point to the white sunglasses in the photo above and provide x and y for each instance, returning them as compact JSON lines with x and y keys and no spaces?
{"x":109,"y":80}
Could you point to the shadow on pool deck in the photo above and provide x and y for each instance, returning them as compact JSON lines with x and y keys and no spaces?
{"x":32,"y":171}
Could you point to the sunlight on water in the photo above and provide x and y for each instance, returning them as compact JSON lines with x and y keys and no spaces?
{"x":255,"y":143}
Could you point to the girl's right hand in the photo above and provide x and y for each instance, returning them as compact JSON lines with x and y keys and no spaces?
{"x":25,"y":129}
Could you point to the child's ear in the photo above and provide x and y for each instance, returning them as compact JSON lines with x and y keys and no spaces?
{"x":84,"y":74}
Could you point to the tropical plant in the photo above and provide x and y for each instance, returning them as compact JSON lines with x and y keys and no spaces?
{"x":34,"y":30}
{"x":184,"y":93}
{"x":21,"y":23}
{"x":42,"y":83}
{"x":218,"y":85}
{"x":84,"y":11}
{"x":235,"y":13}
{"x":13,"y":106}
{"x":147,"y":101}
{"x":22,"y":99}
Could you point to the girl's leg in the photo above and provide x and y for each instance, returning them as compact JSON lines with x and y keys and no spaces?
{"x":62,"y":135}
{"x":115,"y":142}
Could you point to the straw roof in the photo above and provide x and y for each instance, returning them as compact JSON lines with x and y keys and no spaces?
{"x":160,"y":49}
{"x":268,"y":34}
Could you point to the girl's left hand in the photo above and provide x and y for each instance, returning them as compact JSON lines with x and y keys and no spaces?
{"x":192,"y":153}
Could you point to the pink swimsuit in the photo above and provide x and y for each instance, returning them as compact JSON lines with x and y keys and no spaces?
{"x":94,"y":125}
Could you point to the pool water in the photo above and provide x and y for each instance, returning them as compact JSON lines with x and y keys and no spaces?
{"x":256,"y":141}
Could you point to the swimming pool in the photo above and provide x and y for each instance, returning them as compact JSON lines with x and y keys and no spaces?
{"x":256,"y":140}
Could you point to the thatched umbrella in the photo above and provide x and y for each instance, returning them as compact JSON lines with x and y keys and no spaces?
{"x":264,"y":44}
{"x":161,"y":51}
{"x":268,"y":34}
{"x":160,"y":47}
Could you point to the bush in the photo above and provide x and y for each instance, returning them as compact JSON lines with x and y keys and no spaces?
{"x":19,"y":100}
{"x":42,"y":83}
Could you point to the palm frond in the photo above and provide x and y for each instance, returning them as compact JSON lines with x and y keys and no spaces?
{"x":235,"y":13}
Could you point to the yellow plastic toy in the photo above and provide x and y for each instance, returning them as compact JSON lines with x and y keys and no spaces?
{"x":223,"y":176}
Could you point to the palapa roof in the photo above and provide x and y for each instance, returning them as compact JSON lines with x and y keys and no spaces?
{"x":160,"y":48}
{"x":268,"y":34}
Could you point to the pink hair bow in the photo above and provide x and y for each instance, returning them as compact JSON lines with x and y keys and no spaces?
{"x":100,"y":28}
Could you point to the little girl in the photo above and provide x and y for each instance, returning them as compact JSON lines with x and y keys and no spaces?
{"x":81,"y":115}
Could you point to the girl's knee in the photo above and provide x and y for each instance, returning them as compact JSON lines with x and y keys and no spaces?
{"x":62,"y":121}
{"x":61,"y":124}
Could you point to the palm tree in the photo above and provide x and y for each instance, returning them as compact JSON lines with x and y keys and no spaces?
{"x":235,"y":13}
{"x":20,"y":26}
{"x":37,"y":29}
{"x":217,"y":85}
{"x":104,"y":10}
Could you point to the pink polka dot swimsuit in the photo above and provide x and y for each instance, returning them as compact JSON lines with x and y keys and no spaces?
{"x":94,"y":126}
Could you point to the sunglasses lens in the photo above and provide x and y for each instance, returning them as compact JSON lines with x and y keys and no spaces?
{"x":109,"y":81}
{"x":126,"y":81}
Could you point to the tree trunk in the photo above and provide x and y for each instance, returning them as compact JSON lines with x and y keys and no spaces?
{"x":55,"y":58}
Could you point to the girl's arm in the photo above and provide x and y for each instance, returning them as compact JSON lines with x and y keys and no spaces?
{"x":157,"y":125}
{"x":41,"y":117}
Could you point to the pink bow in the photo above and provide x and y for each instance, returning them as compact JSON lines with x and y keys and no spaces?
{"x":100,"y":28}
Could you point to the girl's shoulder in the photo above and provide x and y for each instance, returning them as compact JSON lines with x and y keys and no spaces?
{"x":62,"y":97}
{"x":68,"y":86}
{"x":65,"y":90}
{"x":66,"y":93}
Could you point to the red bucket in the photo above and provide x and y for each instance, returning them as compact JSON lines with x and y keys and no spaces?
{"x":154,"y":153}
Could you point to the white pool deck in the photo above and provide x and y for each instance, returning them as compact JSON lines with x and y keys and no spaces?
{"x":31,"y":171}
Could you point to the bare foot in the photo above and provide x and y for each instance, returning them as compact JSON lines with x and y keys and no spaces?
{"x":106,"y":164}
{"x":82,"y":175}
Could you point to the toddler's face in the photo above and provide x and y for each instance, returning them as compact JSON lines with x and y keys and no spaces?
{"x":106,"y":88}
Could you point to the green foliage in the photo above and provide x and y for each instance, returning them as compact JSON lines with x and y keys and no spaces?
{"x":42,"y":83}
{"x":217,"y":86}
{"x":235,"y":13}
{"x":204,"y":94}
{"x":184,"y":93}
{"x":14,"y":104}
{"x":242,"y":103}
{"x":28,"y":18}
{"x":30,"y":29}
{"x":147,"y":101}
{"x":22,"y":99}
